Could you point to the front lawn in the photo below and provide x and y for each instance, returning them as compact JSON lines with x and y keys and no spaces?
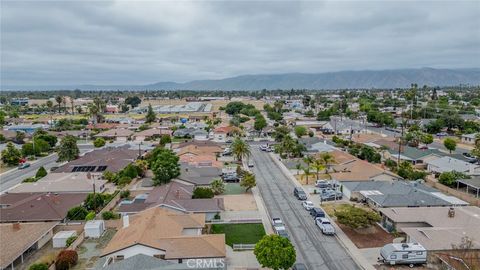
{"x":240,"y":233}
{"x":233,"y":189}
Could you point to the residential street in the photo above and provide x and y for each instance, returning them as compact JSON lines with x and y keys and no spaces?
{"x":313,"y":248}
{"x":15,"y":176}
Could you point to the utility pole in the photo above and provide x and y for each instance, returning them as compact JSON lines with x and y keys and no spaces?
{"x":400,"y":143}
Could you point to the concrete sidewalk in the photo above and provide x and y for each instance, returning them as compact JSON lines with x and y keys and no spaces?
{"x":354,"y":252}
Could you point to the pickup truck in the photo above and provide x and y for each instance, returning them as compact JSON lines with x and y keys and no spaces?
{"x":325,"y":226}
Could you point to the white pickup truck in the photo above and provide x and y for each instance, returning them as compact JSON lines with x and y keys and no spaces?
{"x":325,"y":226}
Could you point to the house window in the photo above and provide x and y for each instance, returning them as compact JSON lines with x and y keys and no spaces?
{"x":393,"y":257}
{"x":404,"y":256}
{"x":119,"y":257}
{"x":159,"y":256}
{"x":419,"y":253}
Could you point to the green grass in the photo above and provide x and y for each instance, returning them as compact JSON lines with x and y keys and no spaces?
{"x":233,"y":189}
{"x":240,"y":233}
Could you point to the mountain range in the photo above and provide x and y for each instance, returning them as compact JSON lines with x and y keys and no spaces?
{"x":366,"y":79}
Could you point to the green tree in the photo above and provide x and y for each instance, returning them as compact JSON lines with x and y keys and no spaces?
{"x":240,"y":149}
{"x":151,"y":116}
{"x":327,"y":159}
{"x":68,"y":149}
{"x":99,"y":142}
{"x":77,"y":213}
{"x":202,"y":193}
{"x":164,"y":139}
{"x":450,"y":144}
{"x":300,"y":131}
{"x":133,"y":101}
{"x":275,"y":252}
{"x":59,"y":100}
{"x":164,"y":164}
{"x":356,"y":217}
{"x":260,"y":122}
{"x":11,"y":155}
{"x":94,"y":201}
{"x":306,"y":172}
{"x":41,"y":172}
{"x":90,"y":216}
{"x":248,"y":181}
{"x":107,"y":215}
{"x":318,"y":166}
{"x":427,"y":139}
{"x":218,"y":186}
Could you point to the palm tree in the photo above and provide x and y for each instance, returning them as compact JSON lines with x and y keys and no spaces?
{"x":327,"y":160}
{"x":59,"y":101}
{"x":240,"y":149}
{"x":318,"y":166}
{"x":218,"y":186}
{"x":49,"y":105}
{"x":306,"y":171}
{"x":298,"y":166}
{"x":72,"y":103}
{"x":308,"y":160}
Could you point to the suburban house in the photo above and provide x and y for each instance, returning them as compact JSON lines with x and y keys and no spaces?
{"x":78,"y":182}
{"x":31,"y":128}
{"x":197,"y":150}
{"x":206,"y":160}
{"x":413,"y":155}
{"x":349,"y":168}
{"x":150,"y":134}
{"x":160,"y":233}
{"x":118,"y":134}
{"x":175,"y":196}
{"x":36,"y":207}
{"x":19,"y":240}
{"x":199,"y":176}
{"x":101,"y":160}
{"x":212,"y":147}
{"x":102,"y":126}
{"x":311,"y":124}
{"x":449,"y":164}
{"x":343,"y":126}
{"x":469,"y":138}
{"x":196,"y":134}
{"x":435,"y":228}
{"x":369,"y":139}
{"x":220,"y":134}
{"x":380,"y":194}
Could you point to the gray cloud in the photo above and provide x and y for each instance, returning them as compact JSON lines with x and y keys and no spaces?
{"x":122,"y":42}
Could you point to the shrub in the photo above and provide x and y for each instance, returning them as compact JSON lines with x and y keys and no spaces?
{"x":107,"y":215}
{"x":124,"y":194}
{"x":77,"y":213}
{"x":109,"y":176}
{"x":450,"y":178}
{"x":90,"y":216}
{"x":94,"y":201}
{"x":202,"y":193}
{"x":30,"y":180}
{"x":41,"y":173}
{"x":66,"y":259}
{"x":38,"y":266}
{"x":131,"y":171}
{"x":71,"y":239}
{"x":99,"y":142}
{"x":356,"y":217}
{"x":124,"y":180}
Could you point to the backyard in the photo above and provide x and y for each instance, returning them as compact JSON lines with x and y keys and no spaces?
{"x":249,"y":233}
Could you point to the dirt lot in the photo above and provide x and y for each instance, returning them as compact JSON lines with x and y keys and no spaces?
{"x":241,"y":202}
{"x":373,"y":237}
{"x":216,"y":103}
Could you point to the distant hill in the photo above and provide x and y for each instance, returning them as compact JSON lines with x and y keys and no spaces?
{"x":398,"y":78}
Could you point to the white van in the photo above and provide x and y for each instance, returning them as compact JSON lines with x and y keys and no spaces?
{"x":403,"y":253}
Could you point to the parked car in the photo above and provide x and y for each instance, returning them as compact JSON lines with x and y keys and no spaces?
{"x":299,"y":266}
{"x":282,"y":233}
{"x":325,"y":225}
{"x":299,"y":193}
{"x":231,"y":178}
{"x":316,"y":212}
{"x":269,"y":149}
{"x":250,"y":164}
{"x":277,"y":222}
{"x":442,"y":134}
{"x":229,"y":141}
{"x":264,"y":147}
{"x":307,"y":205}
{"x":469,"y":157}
{"x":23,"y":165}
{"x":331,"y":195}
{"x":227,"y":151}
{"x":322,"y":184}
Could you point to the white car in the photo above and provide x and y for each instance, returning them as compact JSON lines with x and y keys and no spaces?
{"x":307,"y":205}
{"x":264,"y":147}
{"x":277,"y":222}
{"x":325,"y":225}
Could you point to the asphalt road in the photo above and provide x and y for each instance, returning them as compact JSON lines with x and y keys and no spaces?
{"x":313,"y":248}
{"x":15,"y":176}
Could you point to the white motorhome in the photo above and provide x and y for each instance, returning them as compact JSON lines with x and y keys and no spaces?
{"x":403,"y":253}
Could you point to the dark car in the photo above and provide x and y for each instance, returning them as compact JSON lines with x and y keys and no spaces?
{"x":231,"y":178}
{"x":317,"y":212}
{"x":299,"y":266}
{"x":299,"y":193}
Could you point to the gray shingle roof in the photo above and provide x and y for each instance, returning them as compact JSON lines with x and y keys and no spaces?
{"x":397,"y":193}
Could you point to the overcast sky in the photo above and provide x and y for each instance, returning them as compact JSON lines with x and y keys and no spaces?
{"x":127,"y":42}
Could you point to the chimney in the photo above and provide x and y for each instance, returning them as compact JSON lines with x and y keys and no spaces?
{"x":16,"y":226}
{"x":451,"y":212}
{"x":126,"y":221}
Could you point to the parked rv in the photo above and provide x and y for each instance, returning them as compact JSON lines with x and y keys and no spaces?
{"x":403,"y":253}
